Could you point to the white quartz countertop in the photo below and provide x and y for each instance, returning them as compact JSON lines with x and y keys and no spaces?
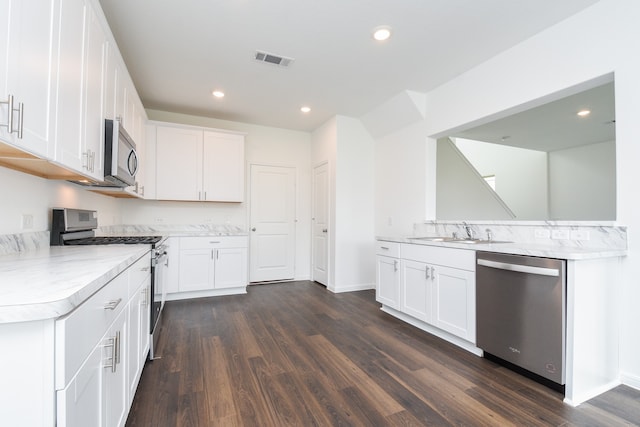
{"x":531,"y":249}
{"x":51,"y":282}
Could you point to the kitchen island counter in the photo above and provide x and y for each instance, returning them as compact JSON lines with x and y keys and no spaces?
{"x":50,"y":282}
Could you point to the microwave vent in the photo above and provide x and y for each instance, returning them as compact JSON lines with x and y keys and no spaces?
{"x":270,"y":58}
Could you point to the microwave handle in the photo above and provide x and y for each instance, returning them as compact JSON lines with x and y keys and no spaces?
{"x":132,"y":163}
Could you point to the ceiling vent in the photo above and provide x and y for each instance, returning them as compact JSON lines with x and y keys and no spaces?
{"x":272,"y":59}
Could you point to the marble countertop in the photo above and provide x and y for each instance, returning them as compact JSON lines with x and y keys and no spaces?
{"x":531,"y":249}
{"x":50,"y":282}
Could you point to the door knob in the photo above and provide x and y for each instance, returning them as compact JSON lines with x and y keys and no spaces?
{"x":253,"y":229}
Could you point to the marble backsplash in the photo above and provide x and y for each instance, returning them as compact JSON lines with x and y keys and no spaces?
{"x":220,"y":229}
{"x":12,"y":243}
{"x":591,"y":235}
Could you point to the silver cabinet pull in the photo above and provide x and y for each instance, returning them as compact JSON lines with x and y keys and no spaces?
{"x":217,"y":254}
{"x":324,"y":230}
{"x":433,"y":273}
{"x":384,"y":247}
{"x":117,"y":348}
{"x":253,"y":229}
{"x":395,"y":265}
{"x":111,"y":305}
{"x":214,"y":242}
{"x":10,"y":111}
{"x":111,"y":343}
{"x":20,"y":117}
{"x":426,"y":272}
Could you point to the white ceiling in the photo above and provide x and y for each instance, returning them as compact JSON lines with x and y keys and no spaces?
{"x":179,"y":51}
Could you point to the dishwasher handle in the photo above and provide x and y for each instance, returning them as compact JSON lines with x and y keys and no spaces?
{"x":541,"y":271}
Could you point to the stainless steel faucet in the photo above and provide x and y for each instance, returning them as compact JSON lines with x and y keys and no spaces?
{"x":468,"y":230}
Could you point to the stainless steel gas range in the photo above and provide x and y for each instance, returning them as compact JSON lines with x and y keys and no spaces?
{"x":77,"y":227}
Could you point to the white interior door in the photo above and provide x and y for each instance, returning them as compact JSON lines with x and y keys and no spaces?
{"x":320,"y":237}
{"x":272,"y":219}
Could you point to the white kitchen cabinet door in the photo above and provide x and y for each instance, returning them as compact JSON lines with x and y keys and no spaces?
{"x":230,"y":267}
{"x":79,"y":404}
{"x":454,"y":308}
{"x":138,"y":338}
{"x":115,"y":388}
{"x":223,"y":167}
{"x":80,"y":70}
{"x":178,"y":163}
{"x":29,"y":51}
{"x":93,"y":103}
{"x":416,"y":290}
{"x":388,"y":281}
{"x":196,"y":269}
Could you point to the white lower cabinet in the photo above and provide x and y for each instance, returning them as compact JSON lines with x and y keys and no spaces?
{"x":436,"y":286}
{"x":388,"y":274}
{"x":100,"y":350}
{"x":417,"y":290}
{"x":209,"y":266}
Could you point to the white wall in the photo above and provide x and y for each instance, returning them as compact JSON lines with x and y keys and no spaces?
{"x":600,"y":40}
{"x":521,"y":175}
{"x":354,"y":226}
{"x":584,"y":185}
{"x":263,"y":145}
{"x":347,"y":147}
{"x":403,"y":182}
{"x":26,"y":194}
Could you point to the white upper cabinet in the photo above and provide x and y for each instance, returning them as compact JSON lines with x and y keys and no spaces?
{"x":81,"y":69}
{"x":199,"y":165}
{"x":178,"y":163}
{"x":223,"y":167}
{"x":28,"y":48}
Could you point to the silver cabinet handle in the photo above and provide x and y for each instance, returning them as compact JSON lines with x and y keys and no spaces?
{"x":111,"y":305}
{"x":117,"y":348}
{"x":217,"y":254}
{"x":324,"y":230}
{"x":426,"y":272}
{"x":214,"y":242}
{"x":111,"y":343}
{"x":384,"y":247}
{"x":253,"y":229}
{"x":433,"y":273}
{"x":9,"y":103}
{"x":20,"y":119}
{"x":395,"y":265}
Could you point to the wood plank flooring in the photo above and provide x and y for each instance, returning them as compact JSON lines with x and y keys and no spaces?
{"x":294,"y":354}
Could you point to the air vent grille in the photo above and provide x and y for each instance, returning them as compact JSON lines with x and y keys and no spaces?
{"x":270,"y":58}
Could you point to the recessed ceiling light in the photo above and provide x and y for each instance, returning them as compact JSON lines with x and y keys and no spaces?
{"x":305,"y":109}
{"x":584,"y":113}
{"x":218,"y":94}
{"x":382,"y":33}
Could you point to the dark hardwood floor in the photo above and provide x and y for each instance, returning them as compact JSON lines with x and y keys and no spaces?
{"x":297,"y":354}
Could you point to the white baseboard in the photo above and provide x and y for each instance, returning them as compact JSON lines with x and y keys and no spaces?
{"x":351,"y":288}
{"x":209,"y":293}
{"x":630,"y":379}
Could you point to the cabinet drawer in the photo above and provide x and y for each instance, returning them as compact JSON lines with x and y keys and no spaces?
{"x":79,"y":332}
{"x":456,"y":258}
{"x":391,"y":249}
{"x":138,"y":272}
{"x":212,"y":242}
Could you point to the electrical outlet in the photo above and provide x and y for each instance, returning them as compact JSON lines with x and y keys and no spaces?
{"x":580,"y":235}
{"x":541,"y":233}
{"x":560,"y":234}
{"x":27,"y":221}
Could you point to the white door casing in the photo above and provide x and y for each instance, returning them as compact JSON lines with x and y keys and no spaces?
{"x":272,"y":219}
{"x":320,"y":225}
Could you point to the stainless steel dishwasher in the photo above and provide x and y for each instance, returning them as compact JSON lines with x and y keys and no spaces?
{"x":521,"y":311}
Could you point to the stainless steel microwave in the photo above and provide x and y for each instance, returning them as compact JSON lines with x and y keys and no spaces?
{"x":120,"y":158}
